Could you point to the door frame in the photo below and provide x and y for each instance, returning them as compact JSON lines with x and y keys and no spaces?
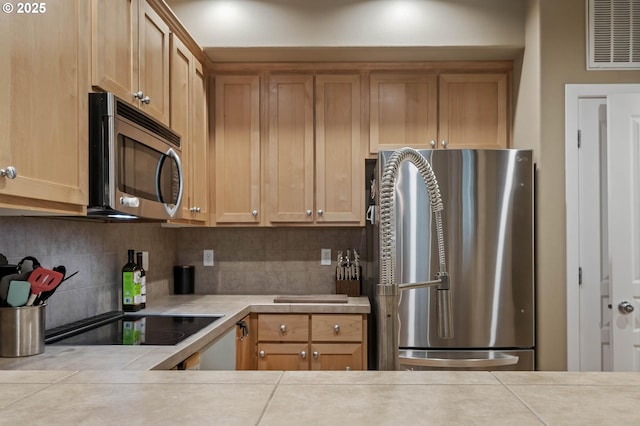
{"x":573,"y":92}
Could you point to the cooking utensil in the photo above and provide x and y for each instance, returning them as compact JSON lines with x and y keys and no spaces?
{"x":4,"y":284}
{"x":42,"y":279}
{"x":18,"y":293}
{"x":47,"y":294}
{"x":6,"y":280}
{"x":28,"y":264}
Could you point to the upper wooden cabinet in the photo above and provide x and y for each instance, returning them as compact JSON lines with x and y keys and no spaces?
{"x":44,"y":112}
{"x":189,"y":119}
{"x":289,"y":184}
{"x":339,"y":155}
{"x":474,"y":111}
{"x":403,"y":111}
{"x":428,"y":110}
{"x":315,"y":179}
{"x":237,"y":149}
{"x":130,"y":54}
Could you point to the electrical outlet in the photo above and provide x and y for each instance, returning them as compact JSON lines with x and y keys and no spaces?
{"x":145,"y":260}
{"x":207,"y":258}
{"x":325,"y":257}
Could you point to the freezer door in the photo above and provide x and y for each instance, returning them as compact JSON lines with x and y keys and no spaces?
{"x":488,"y":227}
{"x":522,"y":360}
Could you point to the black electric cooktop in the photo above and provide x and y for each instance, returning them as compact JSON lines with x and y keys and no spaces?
{"x":118,"y":328}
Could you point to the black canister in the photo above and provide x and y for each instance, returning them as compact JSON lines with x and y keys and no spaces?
{"x":183,"y":279}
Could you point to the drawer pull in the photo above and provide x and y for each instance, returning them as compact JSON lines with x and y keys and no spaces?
{"x":283,"y":328}
{"x":303,"y":355}
{"x":262,"y":354}
{"x":336,"y":328}
{"x":315,"y":354}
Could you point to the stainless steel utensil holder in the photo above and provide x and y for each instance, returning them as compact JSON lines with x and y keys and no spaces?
{"x":22,"y":331}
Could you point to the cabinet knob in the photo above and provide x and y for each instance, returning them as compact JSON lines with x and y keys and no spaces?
{"x":315,"y":354}
{"x":198,"y":210}
{"x":254,"y":213}
{"x":320,"y":212}
{"x":138,"y":95}
{"x":283,"y":328}
{"x":433,"y":144}
{"x":336,"y":328}
{"x":10,"y":172}
{"x":195,"y":209}
{"x":308,"y":212}
{"x":444,"y":144}
{"x":303,"y":355}
{"x":262,"y":354}
{"x":146,"y":100}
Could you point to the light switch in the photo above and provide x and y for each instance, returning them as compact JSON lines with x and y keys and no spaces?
{"x":207,"y":258}
{"x":325,"y":257}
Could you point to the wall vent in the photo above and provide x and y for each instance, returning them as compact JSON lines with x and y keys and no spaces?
{"x":613,"y":34}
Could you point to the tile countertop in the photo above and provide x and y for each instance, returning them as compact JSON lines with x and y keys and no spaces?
{"x":318,"y":398}
{"x":143,"y":358}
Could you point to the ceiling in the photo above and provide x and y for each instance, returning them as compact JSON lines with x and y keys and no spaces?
{"x":354,"y":30}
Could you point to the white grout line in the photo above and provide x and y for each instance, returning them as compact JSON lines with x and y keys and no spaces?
{"x":529,"y":407}
{"x":273,"y":392}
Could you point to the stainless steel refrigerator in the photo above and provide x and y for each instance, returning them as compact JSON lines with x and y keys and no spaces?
{"x":488,"y":219}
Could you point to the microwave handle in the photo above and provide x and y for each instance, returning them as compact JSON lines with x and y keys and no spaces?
{"x":170,"y":153}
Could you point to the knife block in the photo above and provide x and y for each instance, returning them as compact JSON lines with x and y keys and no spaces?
{"x":349,"y":287}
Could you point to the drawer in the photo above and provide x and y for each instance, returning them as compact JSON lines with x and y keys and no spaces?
{"x":336,"y":328}
{"x":283,"y":328}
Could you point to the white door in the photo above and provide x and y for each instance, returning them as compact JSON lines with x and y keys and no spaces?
{"x":593,"y":280}
{"x":623,"y":118}
{"x":597,"y":332}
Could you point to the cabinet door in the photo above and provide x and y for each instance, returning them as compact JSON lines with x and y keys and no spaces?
{"x":237,"y":149}
{"x":338,"y":148}
{"x":474,"y":110}
{"x":403,"y":111}
{"x":114,"y":47}
{"x":336,"y":356}
{"x":43,"y":113}
{"x":246,"y":343}
{"x":153,"y":63}
{"x":289,"y":181}
{"x":283,"y":356}
{"x":181,"y":64}
{"x":199,"y":144}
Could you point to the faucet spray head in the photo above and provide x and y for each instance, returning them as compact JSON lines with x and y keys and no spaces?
{"x":443,"y":308}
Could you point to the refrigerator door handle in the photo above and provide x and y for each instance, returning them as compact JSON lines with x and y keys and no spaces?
{"x":496,"y":360}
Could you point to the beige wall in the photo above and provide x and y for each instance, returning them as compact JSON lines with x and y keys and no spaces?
{"x":562,"y":61}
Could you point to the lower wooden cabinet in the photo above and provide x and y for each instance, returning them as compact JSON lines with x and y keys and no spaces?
{"x":283,"y":356}
{"x":311,"y":342}
{"x":336,"y":356}
{"x":246,"y":340}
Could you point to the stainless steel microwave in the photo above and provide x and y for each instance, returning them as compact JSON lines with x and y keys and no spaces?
{"x":134,"y":162}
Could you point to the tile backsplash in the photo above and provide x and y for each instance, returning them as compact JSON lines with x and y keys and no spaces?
{"x":98,"y":251}
{"x":266,"y":260}
{"x":247,"y":260}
